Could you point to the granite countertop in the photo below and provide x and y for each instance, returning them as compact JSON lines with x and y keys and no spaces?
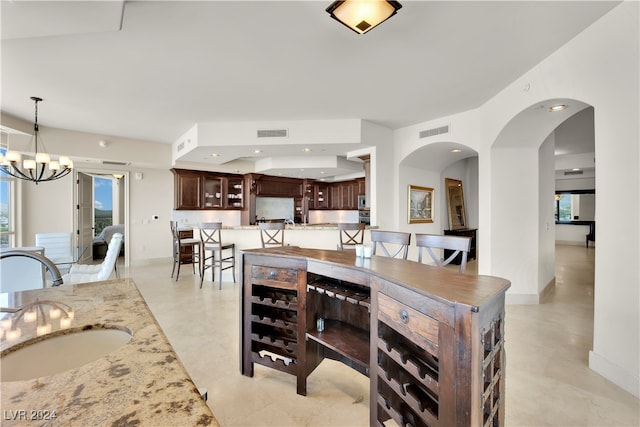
{"x":141,"y":383}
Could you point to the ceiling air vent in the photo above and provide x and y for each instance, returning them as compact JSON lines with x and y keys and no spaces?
{"x":567,"y":173}
{"x":273,"y":133}
{"x":107,"y":162}
{"x":181,"y":146}
{"x":435,"y":131}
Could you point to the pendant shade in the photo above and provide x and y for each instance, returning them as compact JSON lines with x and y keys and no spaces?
{"x":362,"y":15}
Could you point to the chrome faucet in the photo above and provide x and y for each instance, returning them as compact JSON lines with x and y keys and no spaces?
{"x":55,"y":273}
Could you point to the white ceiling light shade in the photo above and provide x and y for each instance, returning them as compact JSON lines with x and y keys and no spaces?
{"x":363,"y":15}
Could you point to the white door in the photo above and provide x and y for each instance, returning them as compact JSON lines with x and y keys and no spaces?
{"x":84,"y":206}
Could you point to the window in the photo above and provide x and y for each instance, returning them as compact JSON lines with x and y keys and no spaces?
{"x":7,"y":223}
{"x":563,"y":207}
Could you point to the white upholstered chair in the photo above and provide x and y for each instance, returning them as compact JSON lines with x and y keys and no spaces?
{"x":58,"y":247}
{"x":82,"y":273}
{"x":22,"y":273}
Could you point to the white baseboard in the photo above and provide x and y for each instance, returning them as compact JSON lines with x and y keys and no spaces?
{"x":152,"y":261}
{"x":614,"y":373}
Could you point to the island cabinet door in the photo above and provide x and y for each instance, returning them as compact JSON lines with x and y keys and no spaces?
{"x":436,"y":363}
{"x":273,"y":320}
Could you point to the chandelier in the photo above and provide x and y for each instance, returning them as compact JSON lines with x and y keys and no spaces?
{"x":35,"y":313}
{"x":362,"y":15}
{"x":35,"y":167}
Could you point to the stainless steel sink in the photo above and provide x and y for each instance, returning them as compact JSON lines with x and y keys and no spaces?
{"x":59,"y":353}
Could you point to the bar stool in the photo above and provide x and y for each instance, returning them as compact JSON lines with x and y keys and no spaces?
{"x":211,"y":237}
{"x":351,"y":234}
{"x":186,"y":250}
{"x":392,"y":243}
{"x":457,"y":244}
{"x":271,"y":234}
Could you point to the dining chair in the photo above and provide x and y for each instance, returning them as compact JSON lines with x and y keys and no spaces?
{"x":351,"y":234}
{"x":271,"y":234}
{"x":393,"y":244}
{"x":211,"y":238}
{"x":457,"y":244}
{"x":58,"y":247}
{"x":83,"y":273}
{"x":186,"y":250}
{"x":21,"y":273}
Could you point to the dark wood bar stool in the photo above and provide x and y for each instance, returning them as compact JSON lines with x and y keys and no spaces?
{"x":211,"y":237}
{"x":394,"y":244}
{"x":457,"y":244}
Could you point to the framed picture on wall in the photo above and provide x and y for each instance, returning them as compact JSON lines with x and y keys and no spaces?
{"x":420,"y":204}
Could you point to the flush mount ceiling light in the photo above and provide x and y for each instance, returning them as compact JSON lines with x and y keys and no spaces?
{"x":363,"y":15}
{"x":33,"y":169}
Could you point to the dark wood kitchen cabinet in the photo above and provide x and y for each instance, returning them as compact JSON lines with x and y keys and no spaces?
{"x":430,"y":340}
{"x":188,"y":189}
{"x":277,"y":186}
{"x":198,"y":190}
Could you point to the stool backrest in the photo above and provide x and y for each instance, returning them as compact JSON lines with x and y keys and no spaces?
{"x":457,"y":244}
{"x":210,"y":233}
{"x":392,"y":243}
{"x":271,"y":234}
{"x":351,"y":234}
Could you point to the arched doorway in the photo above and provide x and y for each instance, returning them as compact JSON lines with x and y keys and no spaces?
{"x":523,"y":194}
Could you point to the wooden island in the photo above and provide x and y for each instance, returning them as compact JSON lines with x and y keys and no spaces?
{"x":430,"y":340}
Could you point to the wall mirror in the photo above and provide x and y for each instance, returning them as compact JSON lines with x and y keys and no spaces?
{"x":455,"y":204}
{"x":575,"y":206}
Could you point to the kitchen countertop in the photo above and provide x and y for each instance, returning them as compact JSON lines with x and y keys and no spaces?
{"x":141,"y":383}
{"x":316,"y":226}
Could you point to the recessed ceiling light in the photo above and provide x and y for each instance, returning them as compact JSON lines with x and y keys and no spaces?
{"x":456,"y":150}
{"x":306,"y":150}
{"x":321,"y":172}
{"x":215,"y":155}
{"x":301,"y":170}
{"x":558,"y":107}
{"x":257,"y":151}
{"x":576,"y":169}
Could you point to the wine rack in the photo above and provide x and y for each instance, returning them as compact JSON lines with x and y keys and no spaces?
{"x":430,"y":340}
{"x":492,"y":374}
{"x":271,"y":335}
{"x":408,"y":368}
{"x":274,"y":326}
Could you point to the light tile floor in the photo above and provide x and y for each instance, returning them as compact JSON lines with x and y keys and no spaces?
{"x":548,"y":381}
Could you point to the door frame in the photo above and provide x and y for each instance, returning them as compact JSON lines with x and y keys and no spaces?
{"x":127,"y":183}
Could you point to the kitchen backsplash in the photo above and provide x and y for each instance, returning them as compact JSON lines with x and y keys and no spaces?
{"x":231,"y":218}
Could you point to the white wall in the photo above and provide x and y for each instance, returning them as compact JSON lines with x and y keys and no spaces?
{"x":600,"y":68}
{"x":423,"y":178}
{"x":546,"y":214}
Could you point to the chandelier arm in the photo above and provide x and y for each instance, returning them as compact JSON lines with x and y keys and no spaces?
{"x":20,"y":175}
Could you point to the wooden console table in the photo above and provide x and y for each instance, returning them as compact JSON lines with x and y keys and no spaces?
{"x":430,"y":340}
